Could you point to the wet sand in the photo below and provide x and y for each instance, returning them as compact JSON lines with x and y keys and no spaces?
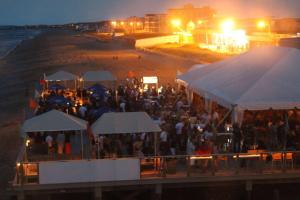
{"x":70,"y":51}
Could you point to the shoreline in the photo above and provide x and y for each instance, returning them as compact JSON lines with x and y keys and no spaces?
{"x":20,"y":43}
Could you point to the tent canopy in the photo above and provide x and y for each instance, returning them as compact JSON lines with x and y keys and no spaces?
{"x":124,"y":122}
{"x":54,"y":120}
{"x":97,"y":76}
{"x":61,"y":76}
{"x":263,"y":78}
{"x":97,"y":88}
{"x":192,"y":74}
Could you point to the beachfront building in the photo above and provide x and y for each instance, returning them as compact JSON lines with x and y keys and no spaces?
{"x":155,"y":23}
{"x":188,"y":17}
{"x":129,"y":25}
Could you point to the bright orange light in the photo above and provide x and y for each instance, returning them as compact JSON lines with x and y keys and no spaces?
{"x":227,"y":25}
{"x":261,"y":24}
{"x":131,"y":23}
{"x":114,"y":23}
{"x":122,"y":23}
{"x":138,"y":23}
{"x":200,"y":22}
{"x":176,"y":23}
{"x":191,"y":26}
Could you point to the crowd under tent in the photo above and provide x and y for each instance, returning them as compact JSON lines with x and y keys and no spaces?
{"x":263,"y":78}
{"x":54,"y":121}
{"x":98,"y":76}
{"x":61,"y":76}
{"x":125,"y":123}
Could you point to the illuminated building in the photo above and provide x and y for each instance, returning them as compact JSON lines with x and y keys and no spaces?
{"x":155,"y":23}
{"x":129,"y":25}
{"x":234,"y":41}
{"x":228,"y":39}
{"x":189,"y":15}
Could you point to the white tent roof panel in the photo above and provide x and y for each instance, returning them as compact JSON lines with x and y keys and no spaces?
{"x":54,"y":120}
{"x":61,"y":76}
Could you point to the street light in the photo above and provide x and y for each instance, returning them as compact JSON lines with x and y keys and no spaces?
{"x":227,"y":25}
{"x":176,"y":23}
{"x":191,"y":26}
{"x":114,"y":23}
{"x":261,"y":24}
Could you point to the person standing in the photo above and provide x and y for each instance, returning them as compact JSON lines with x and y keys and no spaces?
{"x":60,"y":143}
{"x":49,"y":141}
{"x":237,"y":137}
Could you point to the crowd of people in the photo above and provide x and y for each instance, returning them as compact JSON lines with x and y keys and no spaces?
{"x":187,"y":128}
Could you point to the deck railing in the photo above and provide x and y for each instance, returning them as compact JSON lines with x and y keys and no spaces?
{"x":185,"y":166}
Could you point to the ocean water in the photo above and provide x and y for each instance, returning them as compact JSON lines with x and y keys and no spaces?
{"x":9,"y":39}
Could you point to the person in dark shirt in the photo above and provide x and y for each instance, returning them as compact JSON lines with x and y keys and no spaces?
{"x":237,"y":137}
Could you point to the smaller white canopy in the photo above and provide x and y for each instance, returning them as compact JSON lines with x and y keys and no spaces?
{"x":98,"y":76}
{"x":53,"y":120}
{"x":124,"y":122}
{"x":61,"y":76}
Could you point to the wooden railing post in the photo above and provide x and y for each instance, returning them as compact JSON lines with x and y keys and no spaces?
{"x":188,"y":172}
{"x":213,"y":160}
{"x":237,"y":170}
{"x":283,"y":160}
{"x":261,"y":159}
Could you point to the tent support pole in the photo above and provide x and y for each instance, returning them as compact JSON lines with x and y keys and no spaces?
{"x":81,"y":136}
{"x":155,"y":151}
{"x":155,"y":144}
{"x":224,"y":118}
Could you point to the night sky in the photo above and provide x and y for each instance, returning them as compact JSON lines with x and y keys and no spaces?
{"x":20,"y":12}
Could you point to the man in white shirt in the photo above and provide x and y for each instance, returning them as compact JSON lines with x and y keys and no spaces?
{"x":122,"y":106}
{"x":49,"y":141}
{"x":163,"y":136}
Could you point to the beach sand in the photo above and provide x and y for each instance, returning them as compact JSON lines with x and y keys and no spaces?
{"x":73,"y":52}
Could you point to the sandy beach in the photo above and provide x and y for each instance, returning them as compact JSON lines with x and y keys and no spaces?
{"x":73,"y":52}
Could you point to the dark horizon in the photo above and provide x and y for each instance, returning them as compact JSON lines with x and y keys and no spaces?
{"x":33,"y":12}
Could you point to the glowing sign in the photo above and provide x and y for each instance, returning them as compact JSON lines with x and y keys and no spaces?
{"x":150,"y":80}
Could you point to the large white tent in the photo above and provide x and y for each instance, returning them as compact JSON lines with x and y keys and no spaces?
{"x":61,"y":76}
{"x":97,"y":76}
{"x":54,"y":120}
{"x":124,"y":122}
{"x":192,"y":74}
{"x":263,"y":78}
